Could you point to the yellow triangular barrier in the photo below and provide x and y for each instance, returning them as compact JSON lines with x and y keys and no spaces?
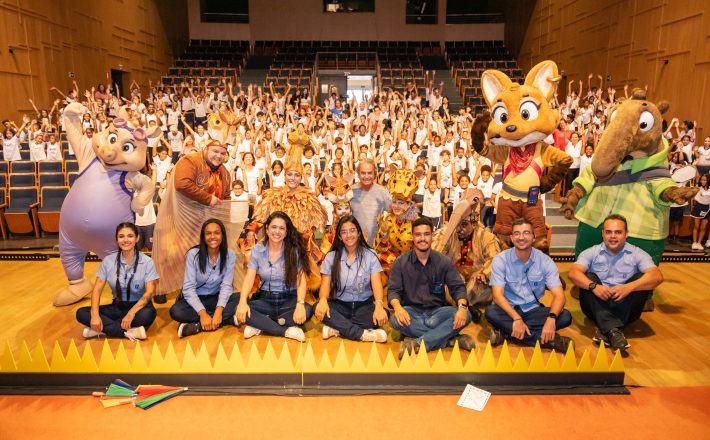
{"x":221,"y":362}
{"x":7,"y":361}
{"x":537,"y":364}
{"x":189,"y":360}
{"x":569,"y":363}
{"x":285,"y":362}
{"x":88,"y":360}
{"x":270,"y":363}
{"x":254,"y":360}
{"x":521,"y":364}
{"x":421,"y":359}
{"x":390,"y":364}
{"x":439,"y":364}
{"x":106,"y":360}
{"x":488,"y":363}
{"x":121,"y":362}
{"x":357,"y":365}
{"x":406,"y":365}
{"x":374,"y":363}
{"x":505,"y":364}
{"x":157,"y":362}
{"x":472,"y":364}
{"x":58,"y":363}
{"x":341,"y":364}
{"x":236,"y":359}
{"x":585,"y":365}
{"x":325,"y":365}
{"x":309,"y":364}
{"x":455,"y":361}
{"x":617,"y":364}
{"x":139,"y":364}
{"x":601,"y":363}
{"x":553,"y":363}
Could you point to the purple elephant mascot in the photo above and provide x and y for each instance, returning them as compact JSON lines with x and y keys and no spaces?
{"x":109,"y":189}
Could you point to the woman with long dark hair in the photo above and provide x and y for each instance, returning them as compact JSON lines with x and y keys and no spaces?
{"x":281,"y":261}
{"x":350,"y":282}
{"x":207,"y":293}
{"x":132,"y":278}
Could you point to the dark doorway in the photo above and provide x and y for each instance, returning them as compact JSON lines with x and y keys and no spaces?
{"x":117,"y":79}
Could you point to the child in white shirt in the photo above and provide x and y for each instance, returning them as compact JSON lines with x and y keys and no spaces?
{"x":432,"y":206}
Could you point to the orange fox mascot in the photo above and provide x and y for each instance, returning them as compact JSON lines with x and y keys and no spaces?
{"x":512,"y":134}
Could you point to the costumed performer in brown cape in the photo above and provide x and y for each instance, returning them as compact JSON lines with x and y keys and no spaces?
{"x":198,"y":189}
{"x":298,"y":202}
{"x":472,"y":247}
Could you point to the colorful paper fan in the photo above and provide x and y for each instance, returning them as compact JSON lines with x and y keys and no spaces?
{"x":143,"y":396}
{"x":155,"y":399}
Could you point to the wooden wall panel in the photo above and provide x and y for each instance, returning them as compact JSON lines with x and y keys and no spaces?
{"x":629,"y":40}
{"x":48,"y":39}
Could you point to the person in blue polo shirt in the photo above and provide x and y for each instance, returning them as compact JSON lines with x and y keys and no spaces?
{"x":615,"y":278}
{"x":207,"y":301}
{"x":132,"y":278}
{"x":350,"y":282}
{"x":281,"y":260}
{"x":518,"y":279}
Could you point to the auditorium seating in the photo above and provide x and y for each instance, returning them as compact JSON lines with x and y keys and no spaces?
{"x":51,"y":198}
{"x":20,"y":216}
{"x":469,"y":59}
{"x":53,"y":166}
{"x":22,"y":166}
{"x":208,"y":60}
{"x":3,"y":206}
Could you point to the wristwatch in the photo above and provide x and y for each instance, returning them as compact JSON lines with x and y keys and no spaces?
{"x":592,"y":286}
{"x":463,"y":305}
{"x":553,"y":315}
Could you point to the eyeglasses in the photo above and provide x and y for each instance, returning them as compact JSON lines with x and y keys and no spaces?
{"x":523,"y":233}
{"x":351,"y":231}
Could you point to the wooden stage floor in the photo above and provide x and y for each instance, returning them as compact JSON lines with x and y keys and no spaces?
{"x":668,"y":345}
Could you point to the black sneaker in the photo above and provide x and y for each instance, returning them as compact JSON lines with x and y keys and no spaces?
{"x":497,"y":337}
{"x":599,"y":337}
{"x":617,"y":340}
{"x":188,"y":329}
{"x":476,"y":314}
{"x":160,"y":299}
{"x":465,"y":342}
{"x":560,"y":344}
{"x":409,"y":345}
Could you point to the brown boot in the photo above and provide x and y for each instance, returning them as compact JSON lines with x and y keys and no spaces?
{"x":649,"y":306}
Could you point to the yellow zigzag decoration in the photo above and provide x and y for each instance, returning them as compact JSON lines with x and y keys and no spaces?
{"x":366,"y":359}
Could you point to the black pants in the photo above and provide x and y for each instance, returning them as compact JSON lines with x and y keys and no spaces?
{"x":182,"y":311}
{"x":351,"y":319}
{"x":112,"y":315}
{"x":611,"y":314}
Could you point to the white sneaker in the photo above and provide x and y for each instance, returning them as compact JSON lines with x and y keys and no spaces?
{"x":696,"y":247}
{"x":707,"y":244}
{"x":374,"y":335}
{"x":295,"y":333}
{"x":89,"y":333}
{"x":250,"y":331}
{"x":329,"y":332}
{"x":236,"y":321}
{"x":135,"y":333}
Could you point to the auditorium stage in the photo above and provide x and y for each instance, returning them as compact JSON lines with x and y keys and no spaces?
{"x":668,"y":345}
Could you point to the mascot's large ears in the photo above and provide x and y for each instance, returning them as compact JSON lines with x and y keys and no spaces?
{"x":543,"y":77}
{"x":492,"y":83}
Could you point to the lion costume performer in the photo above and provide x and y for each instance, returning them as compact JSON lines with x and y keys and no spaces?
{"x":108,"y":191}
{"x":339,"y":192}
{"x":471,"y":246}
{"x":520,"y":118}
{"x":299,"y":203}
{"x":185,"y":206}
{"x":394,"y":226}
{"x":629,"y":176}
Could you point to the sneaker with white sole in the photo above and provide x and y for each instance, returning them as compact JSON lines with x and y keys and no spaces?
{"x":696,"y":247}
{"x":135,"y":333}
{"x":188,"y":329}
{"x":250,"y":331}
{"x":707,"y":244}
{"x":600,"y":337}
{"x":374,"y":335}
{"x":329,"y":332}
{"x":89,"y":333}
{"x":295,"y":333}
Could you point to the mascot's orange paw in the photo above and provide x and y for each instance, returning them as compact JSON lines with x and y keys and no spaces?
{"x":73,"y":293}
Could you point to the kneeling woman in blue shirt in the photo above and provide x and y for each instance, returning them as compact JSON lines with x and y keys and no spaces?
{"x":351,"y":271}
{"x":282,"y":264}
{"x":133,"y":279}
{"x":207,"y":293}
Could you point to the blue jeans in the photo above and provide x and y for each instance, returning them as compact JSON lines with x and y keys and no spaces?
{"x":433,"y":326}
{"x":112,"y":315}
{"x":274,"y":307}
{"x":350,"y":318}
{"x":182,"y":311}
{"x":534,"y":319}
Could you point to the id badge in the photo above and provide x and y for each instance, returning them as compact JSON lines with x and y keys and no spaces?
{"x":533,"y":195}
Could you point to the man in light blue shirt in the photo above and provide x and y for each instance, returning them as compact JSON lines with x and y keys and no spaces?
{"x":614,"y":278}
{"x":369,"y":199}
{"x":518,"y":279}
